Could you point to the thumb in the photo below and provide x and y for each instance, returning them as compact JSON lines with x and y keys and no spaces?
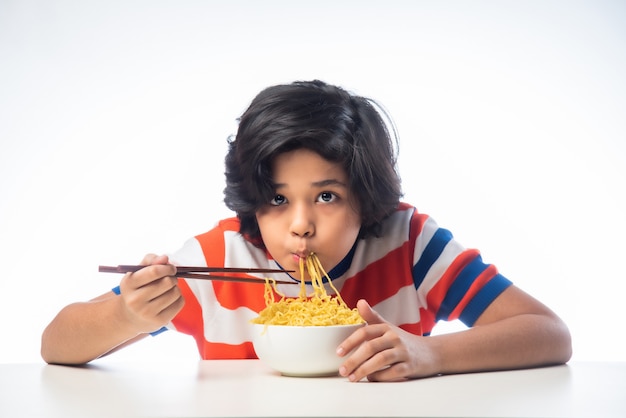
{"x":368,"y":314}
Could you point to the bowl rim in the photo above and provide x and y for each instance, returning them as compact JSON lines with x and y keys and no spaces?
{"x":310,"y":326}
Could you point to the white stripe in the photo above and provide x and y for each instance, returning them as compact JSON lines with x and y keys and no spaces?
{"x":239,"y":252}
{"x":426,"y":234}
{"x":395,"y":234}
{"x":222,"y":325}
{"x":405,"y":297}
{"x":190,"y":254}
{"x":439,"y":267}
{"x":229,"y":326}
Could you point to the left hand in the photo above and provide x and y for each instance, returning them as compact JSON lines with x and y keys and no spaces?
{"x":385,"y":352}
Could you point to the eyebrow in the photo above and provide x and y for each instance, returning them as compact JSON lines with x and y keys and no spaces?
{"x":321,"y":183}
{"x":329,"y":182}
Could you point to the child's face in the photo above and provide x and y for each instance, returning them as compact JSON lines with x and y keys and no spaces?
{"x":312,"y":211}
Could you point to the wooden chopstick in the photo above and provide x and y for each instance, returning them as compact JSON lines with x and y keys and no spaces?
{"x":201,"y":276}
{"x":200,"y":273}
{"x":126,"y":268}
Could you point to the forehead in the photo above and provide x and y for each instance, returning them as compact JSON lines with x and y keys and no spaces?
{"x":305,"y":164}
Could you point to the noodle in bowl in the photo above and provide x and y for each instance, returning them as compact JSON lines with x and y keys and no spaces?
{"x":299,"y":336}
{"x":304,"y":351}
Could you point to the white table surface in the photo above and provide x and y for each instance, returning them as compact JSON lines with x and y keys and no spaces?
{"x":248,"y":388}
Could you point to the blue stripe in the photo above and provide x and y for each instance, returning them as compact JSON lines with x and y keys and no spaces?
{"x":483,"y":298}
{"x":158,"y":331}
{"x":117,"y":290}
{"x":460,"y":286}
{"x":431,"y":253}
{"x":343,"y":265}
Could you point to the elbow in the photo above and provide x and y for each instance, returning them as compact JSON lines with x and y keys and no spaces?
{"x":45,"y":350}
{"x":50,"y":358}
{"x":567,"y":348}
{"x":53,"y":353}
{"x":561,"y":343}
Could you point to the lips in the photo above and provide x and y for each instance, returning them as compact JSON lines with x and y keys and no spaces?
{"x":300,"y":254}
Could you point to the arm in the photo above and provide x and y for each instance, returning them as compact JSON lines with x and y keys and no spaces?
{"x":85,"y":331}
{"x":515,"y":331}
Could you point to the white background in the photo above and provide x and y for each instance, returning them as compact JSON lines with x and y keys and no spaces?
{"x":114,"y":117}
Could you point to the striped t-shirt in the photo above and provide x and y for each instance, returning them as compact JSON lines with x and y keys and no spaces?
{"x":414,"y":275}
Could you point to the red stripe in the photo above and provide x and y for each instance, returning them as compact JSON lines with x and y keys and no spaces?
{"x":478,"y":284}
{"x":412,"y":328}
{"x":232,"y":295}
{"x":380,"y":280}
{"x":437,"y":294}
{"x":220,"y":351}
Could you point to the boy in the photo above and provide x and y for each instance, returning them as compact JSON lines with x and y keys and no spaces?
{"x":313,"y":169}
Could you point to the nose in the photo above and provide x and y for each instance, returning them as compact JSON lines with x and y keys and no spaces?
{"x":302,"y":223}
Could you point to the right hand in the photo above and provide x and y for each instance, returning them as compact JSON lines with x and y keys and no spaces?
{"x":150,"y":296}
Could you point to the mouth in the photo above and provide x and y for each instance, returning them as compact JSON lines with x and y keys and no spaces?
{"x":297,"y":256}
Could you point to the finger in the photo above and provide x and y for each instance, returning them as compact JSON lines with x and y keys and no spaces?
{"x":155,"y":304}
{"x":394,"y":373}
{"x":364,"y":366}
{"x":166,"y":315}
{"x":147,"y":259}
{"x":161,"y":286}
{"x":368,"y":314}
{"x":378,"y":344}
{"x":378,"y":349}
{"x":373,"y":366}
{"x":160,"y":259}
{"x":153,"y":290}
{"x":361,"y":336}
{"x":147,"y":275}
{"x":354,"y":340}
{"x":168,"y":304}
{"x":150,"y":259}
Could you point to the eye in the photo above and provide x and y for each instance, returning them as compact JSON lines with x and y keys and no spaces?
{"x":278,"y":200}
{"x":326,"y":197}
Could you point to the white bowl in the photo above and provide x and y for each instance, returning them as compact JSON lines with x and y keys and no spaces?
{"x":301,"y":350}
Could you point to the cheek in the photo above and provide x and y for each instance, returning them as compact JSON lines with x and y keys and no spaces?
{"x":268,"y":227}
{"x":351,"y":233}
{"x":262,"y":222}
{"x":354,"y":221}
{"x":349,"y":227}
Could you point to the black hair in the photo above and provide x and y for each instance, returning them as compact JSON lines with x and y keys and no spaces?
{"x":341,"y":127}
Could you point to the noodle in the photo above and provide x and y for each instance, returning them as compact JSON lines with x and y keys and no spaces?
{"x":320,"y":309}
